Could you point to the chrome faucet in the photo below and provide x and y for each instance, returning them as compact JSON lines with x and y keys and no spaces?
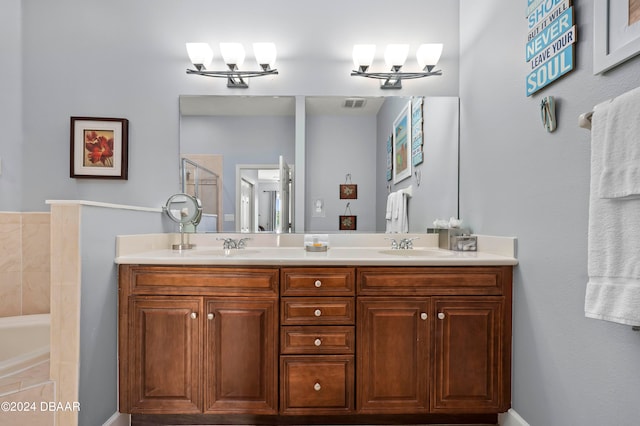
{"x":394,"y":243}
{"x":407,"y":243}
{"x":404,"y":244}
{"x":242,"y":243}
{"x":230,"y":243}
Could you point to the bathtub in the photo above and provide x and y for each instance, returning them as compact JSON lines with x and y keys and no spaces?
{"x":24,"y":342}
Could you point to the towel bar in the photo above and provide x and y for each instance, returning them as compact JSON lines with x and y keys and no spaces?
{"x":584,"y":120}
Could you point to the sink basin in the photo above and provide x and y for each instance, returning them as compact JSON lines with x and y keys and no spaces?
{"x":417,"y":253}
{"x":223,"y":253}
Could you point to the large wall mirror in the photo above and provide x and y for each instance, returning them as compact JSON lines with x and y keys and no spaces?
{"x":344,"y":140}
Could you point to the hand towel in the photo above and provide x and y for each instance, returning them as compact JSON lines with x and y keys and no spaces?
{"x":620,"y":175}
{"x":396,"y":215}
{"x":389,"y":206}
{"x":613,"y":288}
{"x":389,"y":212}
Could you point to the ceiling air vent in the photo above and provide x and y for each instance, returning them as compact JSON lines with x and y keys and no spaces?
{"x":354,"y":103}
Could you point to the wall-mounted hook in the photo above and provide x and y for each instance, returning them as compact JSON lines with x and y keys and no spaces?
{"x":548,"y":113}
{"x":418,"y":175}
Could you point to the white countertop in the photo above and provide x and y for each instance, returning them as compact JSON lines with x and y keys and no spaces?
{"x":151,"y":250}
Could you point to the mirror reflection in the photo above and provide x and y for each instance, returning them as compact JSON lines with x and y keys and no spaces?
{"x":338,"y":136}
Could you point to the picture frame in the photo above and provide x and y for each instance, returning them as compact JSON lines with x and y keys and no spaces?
{"x":99,"y":148}
{"x":348,"y":191}
{"x":402,"y":144}
{"x":614,"y":40}
{"x":347,"y":222}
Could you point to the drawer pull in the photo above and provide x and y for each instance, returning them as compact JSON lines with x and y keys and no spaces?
{"x":317,"y":342}
{"x":317,"y":387}
{"x":424,"y":316}
{"x":193,"y":315}
{"x":317,"y":312}
{"x":440,"y":315}
{"x":318,"y":283}
{"x":209,"y":317}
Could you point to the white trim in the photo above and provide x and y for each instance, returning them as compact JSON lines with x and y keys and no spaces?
{"x":105,"y":205}
{"x":511,"y":418}
{"x":118,"y":419}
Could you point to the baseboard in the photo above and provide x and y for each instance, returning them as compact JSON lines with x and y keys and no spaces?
{"x":511,"y":418}
{"x":118,"y":419}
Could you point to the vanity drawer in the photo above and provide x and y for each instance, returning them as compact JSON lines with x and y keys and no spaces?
{"x":426,"y":281}
{"x":317,"y":340}
{"x":316,"y":311}
{"x":199,"y":280}
{"x":317,"y":281}
{"x":316,"y":384}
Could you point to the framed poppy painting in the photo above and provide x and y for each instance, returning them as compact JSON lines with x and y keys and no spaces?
{"x":99,"y":147}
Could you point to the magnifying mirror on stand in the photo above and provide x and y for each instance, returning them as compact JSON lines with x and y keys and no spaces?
{"x":183,"y":209}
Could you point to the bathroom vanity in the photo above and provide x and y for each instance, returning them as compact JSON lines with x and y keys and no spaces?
{"x":351,"y":335}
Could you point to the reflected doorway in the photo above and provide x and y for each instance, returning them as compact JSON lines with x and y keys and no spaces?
{"x":264,"y":199}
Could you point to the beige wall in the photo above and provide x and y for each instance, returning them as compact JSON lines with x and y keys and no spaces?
{"x":24,"y":263}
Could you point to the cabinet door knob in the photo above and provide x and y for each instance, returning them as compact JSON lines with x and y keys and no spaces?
{"x":317,"y":342}
{"x":318,"y":283}
{"x":424,"y":316}
{"x":317,"y":312}
{"x":317,"y":387}
{"x":194,"y":315}
{"x":210,"y":316}
{"x":440,"y":315}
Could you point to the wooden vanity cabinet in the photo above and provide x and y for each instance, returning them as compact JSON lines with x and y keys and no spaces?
{"x":434,"y":340}
{"x":317,"y":341}
{"x":343,"y":343}
{"x":198,"y":340}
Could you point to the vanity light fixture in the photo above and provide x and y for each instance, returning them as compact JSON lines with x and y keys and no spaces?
{"x":395,"y":56}
{"x":233,"y":55}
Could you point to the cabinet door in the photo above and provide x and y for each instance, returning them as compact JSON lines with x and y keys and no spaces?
{"x":393,"y":357}
{"x":240,"y":353}
{"x":164,"y":355}
{"x":469,"y":372}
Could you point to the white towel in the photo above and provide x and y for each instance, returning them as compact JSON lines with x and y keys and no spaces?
{"x":390,"y":199}
{"x":621,"y":169}
{"x":397,"y":219}
{"x":613,"y":289}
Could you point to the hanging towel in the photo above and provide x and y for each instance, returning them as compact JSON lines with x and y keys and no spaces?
{"x":396,"y":215}
{"x":389,"y":210}
{"x":391,"y":207}
{"x":613,"y":289}
{"x":620,"y":175}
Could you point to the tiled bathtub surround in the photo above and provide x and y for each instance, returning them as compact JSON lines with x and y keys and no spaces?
{"x":24,"y":263}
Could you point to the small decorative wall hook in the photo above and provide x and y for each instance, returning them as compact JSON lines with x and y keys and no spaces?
{"x":548,"y":113}
{"x":418,"y":175}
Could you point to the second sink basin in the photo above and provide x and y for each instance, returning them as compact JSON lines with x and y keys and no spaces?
{"x":417,"y":253}
{"x":223,"y":253}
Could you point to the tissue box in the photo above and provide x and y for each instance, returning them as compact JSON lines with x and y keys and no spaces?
{"x":464,"y":243}
{"x":447,"y":236}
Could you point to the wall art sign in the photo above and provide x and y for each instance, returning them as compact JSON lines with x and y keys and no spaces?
{"x":402,"y":144}
{"x":416,"y":131}
{"x":99,"y":148}
{"x":616,"y":27}
{"x":550,"y":47}
{"x":348,"y":221}
{"x":389,"y":158}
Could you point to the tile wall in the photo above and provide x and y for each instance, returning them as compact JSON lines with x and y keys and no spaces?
{"x":24,"y":263}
